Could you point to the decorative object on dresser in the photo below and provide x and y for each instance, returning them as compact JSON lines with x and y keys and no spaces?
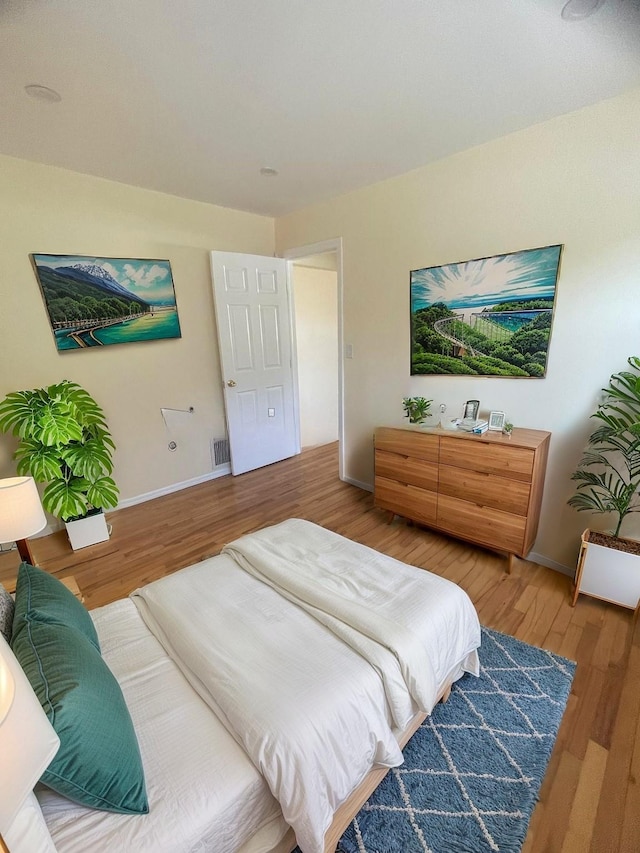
{"x":21,"y":513}
{"x":64,"y":442}
{"x":608,"y":565}
{"x":416,"y":409}
{"x":496,"y":421}
{"x":486,"y":489}
{"x":471,"y":408}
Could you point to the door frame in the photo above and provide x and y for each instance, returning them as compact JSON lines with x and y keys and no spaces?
{"x":291,"y":255}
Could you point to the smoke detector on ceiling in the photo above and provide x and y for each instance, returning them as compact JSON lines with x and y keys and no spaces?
{"x":43,"y":93}
{"x":578,"y":10}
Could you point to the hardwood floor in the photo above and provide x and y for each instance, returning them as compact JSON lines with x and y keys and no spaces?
{"x":590,"y":799}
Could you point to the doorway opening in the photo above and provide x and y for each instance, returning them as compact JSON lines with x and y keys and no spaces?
{"x":315,"y":276}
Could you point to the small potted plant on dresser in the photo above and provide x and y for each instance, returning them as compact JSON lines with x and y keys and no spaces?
{"x":608,"y":478}
{"x":416,"y":409}
{"x":64,"y":442}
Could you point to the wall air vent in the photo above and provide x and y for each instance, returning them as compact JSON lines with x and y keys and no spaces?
{"x":221,"y":454}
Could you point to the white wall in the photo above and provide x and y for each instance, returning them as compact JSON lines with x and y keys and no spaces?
{"x":49,"y":210}
{"x":573,"y":180}
{"x":315,"y":293}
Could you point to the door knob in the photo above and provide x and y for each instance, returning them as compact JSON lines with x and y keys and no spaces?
{"x":231,"y":383}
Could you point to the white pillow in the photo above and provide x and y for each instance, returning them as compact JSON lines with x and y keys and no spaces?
{"x":29,"y":833}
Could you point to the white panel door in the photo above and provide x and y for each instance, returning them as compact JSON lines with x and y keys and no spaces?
{"x":256,"y":354}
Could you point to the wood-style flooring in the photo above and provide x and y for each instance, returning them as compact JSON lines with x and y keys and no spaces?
{"x":590,"y":798}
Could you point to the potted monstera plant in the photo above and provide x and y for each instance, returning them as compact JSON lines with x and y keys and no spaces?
{"x":64,"y":442}
{"x":608,"y":478}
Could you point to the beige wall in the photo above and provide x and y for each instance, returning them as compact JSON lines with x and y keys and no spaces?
{"x":49,"y":210}
{"x":573,"y":180}
{"x":315,"y":294}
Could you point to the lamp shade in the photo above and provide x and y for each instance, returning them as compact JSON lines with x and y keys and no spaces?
{"x":28,"y":741}
{"x":7,"y":688}
{"x":21,"y":512}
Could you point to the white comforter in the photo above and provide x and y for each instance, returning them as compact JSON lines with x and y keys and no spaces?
{"x":376,"y":604}
{"x":313,"y":716}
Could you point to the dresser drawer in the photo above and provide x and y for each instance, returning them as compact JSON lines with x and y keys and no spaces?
{"x":407,"y":469}
{"x":481,"y":524}
{"x":407,"y":443}
{"x":484,"y":489}
{"x":406,"y":500}
{"x":515,"y":463}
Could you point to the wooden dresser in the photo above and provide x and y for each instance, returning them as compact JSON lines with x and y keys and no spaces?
{"x":486,"y":489}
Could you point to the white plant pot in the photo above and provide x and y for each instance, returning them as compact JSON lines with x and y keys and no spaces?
{"x":87,"y":531}
{"x":608,"y":574}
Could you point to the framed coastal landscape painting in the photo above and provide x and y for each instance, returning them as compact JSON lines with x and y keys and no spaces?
{"x":94,"y":302}
{"x":485,"y":317}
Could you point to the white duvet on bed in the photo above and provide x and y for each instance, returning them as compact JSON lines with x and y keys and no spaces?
{"x":386,"y":610}
{"x":204,"y":792}
{"x":313,"y":715}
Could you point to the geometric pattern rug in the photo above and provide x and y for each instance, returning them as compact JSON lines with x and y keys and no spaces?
{"x":473,"y":770}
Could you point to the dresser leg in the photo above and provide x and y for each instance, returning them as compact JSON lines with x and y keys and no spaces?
{"x":510,"y":559}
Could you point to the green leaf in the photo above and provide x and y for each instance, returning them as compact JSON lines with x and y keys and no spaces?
{"x":58,"y":426}
{"x":40,"y":462}
{"x":81,"y":404}
{"x":90,"y":460}
{"x":66,"y":499}
{"x":103,"y":493}
{"x":20,"y":413}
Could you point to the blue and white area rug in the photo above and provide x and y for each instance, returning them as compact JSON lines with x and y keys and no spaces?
{"x":473,"y":770}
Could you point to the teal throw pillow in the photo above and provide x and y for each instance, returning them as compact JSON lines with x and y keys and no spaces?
{"x":38,"y":592}
{"x":98,"y":763}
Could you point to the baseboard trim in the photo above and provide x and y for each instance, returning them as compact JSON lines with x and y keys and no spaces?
{"x":366,"y":486}
{"x":221,"y":471}
{"x":550,"y":564}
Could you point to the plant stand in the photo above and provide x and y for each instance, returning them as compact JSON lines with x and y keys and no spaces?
{"x":608,"y":573}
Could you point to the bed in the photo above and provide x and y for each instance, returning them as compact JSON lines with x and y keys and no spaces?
{"x":269,"y":688}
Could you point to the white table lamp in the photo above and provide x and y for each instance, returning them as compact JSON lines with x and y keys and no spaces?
{"x":28,"y":741}
{"x":21,"y":513}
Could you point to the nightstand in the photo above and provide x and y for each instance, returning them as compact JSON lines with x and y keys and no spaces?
{"x":70,"y":582}
{"x":72,"y":585}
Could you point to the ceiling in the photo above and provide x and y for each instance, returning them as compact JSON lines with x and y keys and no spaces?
{"x":194,"y":97}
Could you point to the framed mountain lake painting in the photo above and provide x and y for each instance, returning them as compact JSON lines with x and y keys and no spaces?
{"x":94,"y":302}
{"x":485,"y":317}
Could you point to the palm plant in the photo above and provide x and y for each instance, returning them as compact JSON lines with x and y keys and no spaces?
{"x":64,"y":442}
{"x":614,"y":451}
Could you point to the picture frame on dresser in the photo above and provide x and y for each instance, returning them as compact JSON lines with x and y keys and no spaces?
{"x":471,"y":408}
{"x":497,"y":421}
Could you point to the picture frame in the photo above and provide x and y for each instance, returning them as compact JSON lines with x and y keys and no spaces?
{"x":93,"y":302}
{"x":497,"y":421}
{"x":471,"y":410}
{"x":488,"y":316}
